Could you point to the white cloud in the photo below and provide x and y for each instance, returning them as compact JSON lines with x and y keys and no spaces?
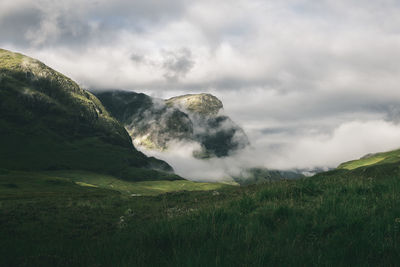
{"x":349,"y":141}
{"x":306,"y":69}
{"x":309,"y":150}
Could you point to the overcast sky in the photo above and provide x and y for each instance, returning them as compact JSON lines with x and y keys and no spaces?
{"x":313,"y":83}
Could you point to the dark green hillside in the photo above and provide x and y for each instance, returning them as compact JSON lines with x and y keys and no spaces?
{"x":337,"y":218}
{"x":47,"y":122}
{"x":123,"y":104}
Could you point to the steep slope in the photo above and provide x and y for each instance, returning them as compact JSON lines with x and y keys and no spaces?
{"x":48,"y":122}
{"x":149,"y":121}
{"x":155,"y":123}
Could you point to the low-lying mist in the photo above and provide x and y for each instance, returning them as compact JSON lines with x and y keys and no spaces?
{"x":304,"y":151}
{"x":180,"y":156}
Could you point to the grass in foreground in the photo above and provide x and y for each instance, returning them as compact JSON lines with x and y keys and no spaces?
{"x":344,"y":218}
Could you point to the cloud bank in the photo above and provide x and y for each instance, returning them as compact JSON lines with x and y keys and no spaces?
{"x":313,"y":83}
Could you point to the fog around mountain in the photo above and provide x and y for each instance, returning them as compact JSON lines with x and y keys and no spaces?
{"x":303,"y":79}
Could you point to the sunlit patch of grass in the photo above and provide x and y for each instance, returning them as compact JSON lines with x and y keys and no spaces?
{"x":145,"y":188}
{"x":85,"y":184}
{"x":158,"y":187}
{"x":48,"y":180}
{"x":373,"y":159}
{"x":362,"y":162}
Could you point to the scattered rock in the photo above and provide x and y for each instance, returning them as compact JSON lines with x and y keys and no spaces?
{"x":215,"y":193}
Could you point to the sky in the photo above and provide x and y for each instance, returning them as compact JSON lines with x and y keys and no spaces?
{"x":313,"y":83}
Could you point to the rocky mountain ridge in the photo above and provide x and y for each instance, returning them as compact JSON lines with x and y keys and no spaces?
{"x":156,"y":123}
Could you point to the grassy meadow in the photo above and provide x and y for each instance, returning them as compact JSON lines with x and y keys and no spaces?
{"x":372,"y":159}
{"x":342,"y":218}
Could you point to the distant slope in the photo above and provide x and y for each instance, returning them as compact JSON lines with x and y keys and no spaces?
{"x":47,"y":122}
{"x":154,"y":123}
{"x":372,"y":159}
{"x":263,"y":175}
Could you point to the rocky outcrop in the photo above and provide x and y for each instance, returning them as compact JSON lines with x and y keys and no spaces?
{"x":156,"y":123}
{"x":200,"y":104}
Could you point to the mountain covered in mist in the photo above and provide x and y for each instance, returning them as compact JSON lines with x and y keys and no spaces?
{"x":156,"y":123}
{"x":47,"y":122}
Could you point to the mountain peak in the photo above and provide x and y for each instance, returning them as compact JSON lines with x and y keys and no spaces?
{"x":187,"y":118}
{"x":202,"y":104}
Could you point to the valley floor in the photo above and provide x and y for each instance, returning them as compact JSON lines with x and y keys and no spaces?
{"x":345,"y":218}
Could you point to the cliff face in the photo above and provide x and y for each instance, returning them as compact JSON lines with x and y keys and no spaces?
{"x":155,"y":123}
{"x":48,"y":122}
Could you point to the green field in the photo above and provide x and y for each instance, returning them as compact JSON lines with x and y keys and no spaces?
{"x":123,"y":208}
{"x":24,"y":183}
{"x":338,"y":218}
{"x":373,"y":159}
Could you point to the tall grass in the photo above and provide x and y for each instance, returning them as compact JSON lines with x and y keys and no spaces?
{"x":339,"y":218}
